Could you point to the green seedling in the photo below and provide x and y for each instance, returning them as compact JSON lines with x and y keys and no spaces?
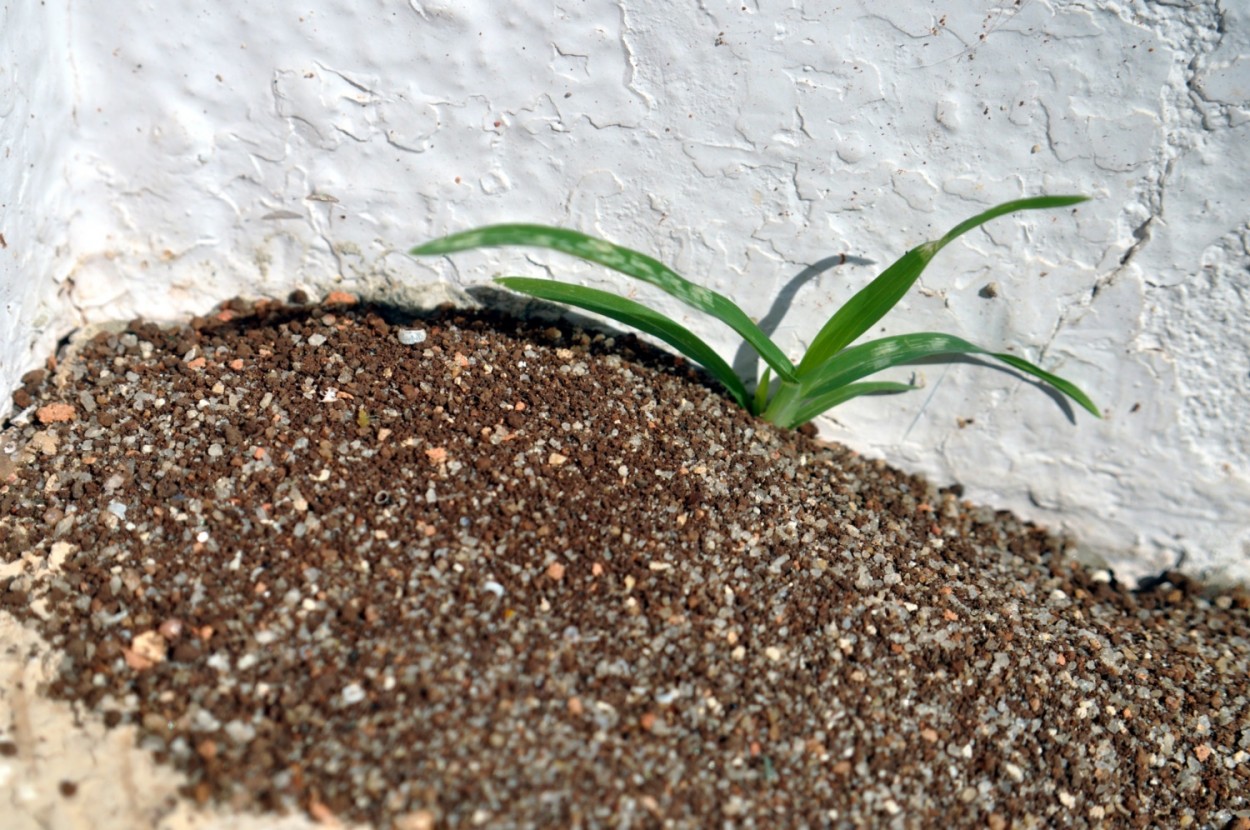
{"x":831,"y":371}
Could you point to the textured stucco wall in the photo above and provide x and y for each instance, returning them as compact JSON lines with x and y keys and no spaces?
{"x":253,"y":148}
{"x":34,"y":189}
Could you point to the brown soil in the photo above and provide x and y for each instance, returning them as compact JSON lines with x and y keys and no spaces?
{"x":518,"y":575}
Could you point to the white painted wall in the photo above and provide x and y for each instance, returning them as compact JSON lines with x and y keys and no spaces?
{"x":35,"y":195}
{"x":162,"y":159}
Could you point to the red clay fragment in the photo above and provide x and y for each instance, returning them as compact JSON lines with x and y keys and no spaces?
{"x":340,"y":298}
{"x":55,"y":412}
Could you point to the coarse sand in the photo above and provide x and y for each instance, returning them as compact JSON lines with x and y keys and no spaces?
{"x":334,"y":563}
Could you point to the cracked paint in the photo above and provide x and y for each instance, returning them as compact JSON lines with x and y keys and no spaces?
{"x":780,"y":156}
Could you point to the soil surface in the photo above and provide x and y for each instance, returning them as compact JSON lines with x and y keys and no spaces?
{"x":467,"y":571}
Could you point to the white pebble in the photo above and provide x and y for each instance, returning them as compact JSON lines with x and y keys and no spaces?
{"x":411,"y":337}
{"x":240,"y":732}
{"x":204,"y":721}
{"x":352,"y":693}
{"x":316,"y":340}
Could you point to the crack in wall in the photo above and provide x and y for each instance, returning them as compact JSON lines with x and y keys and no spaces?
{"x":1183,"y":33}
{"x":1142,"y":234}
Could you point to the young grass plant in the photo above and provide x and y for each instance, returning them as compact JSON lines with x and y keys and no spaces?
{"x":832,"y":370}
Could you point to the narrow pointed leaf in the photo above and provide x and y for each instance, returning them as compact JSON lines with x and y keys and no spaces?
{"x":1034,"y":203}
{"x":638,"y":316}
{"x":867,"y":358}
{"x":626,"y":261}
{"x":1066,"y":387}
{"x":876,"y":299}
{"x":761,"y":391}
{"x":814,"y":407}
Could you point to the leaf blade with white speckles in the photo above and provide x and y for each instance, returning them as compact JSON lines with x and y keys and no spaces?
{"x":626,"y":261}
{"x":865,"y":359}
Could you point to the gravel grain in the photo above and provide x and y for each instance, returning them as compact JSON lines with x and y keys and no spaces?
{"x":461,"y":570}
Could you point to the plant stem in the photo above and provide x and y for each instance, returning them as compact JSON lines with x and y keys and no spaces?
{"x":783,"y":406}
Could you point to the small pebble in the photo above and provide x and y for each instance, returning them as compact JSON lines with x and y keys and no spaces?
{"x":54,"y":413}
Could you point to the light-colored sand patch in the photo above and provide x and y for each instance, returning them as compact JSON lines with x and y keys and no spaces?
{"x":69,"y":771}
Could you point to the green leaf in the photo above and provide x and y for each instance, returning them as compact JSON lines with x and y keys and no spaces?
{"x":865,"y":359}
{"x":761,"y":391}
{"x":1066,"y":387}
{"x":626,"y":261}
{"x":876,"y":299}
{"x":814,"y":407}
{"x":1034,"y":203}
{"x":640,"y":317}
